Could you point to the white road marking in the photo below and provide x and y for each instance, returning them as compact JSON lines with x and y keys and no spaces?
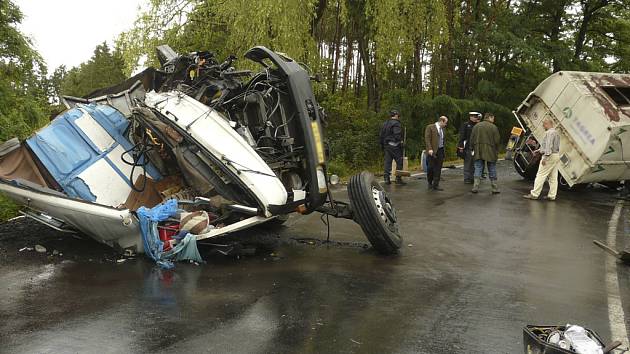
{"x":616,"y":317}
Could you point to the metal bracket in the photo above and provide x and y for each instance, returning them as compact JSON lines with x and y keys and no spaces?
{"x":47,"y":220}
{"x":340,"y":210}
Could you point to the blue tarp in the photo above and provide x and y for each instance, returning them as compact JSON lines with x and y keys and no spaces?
{"x":186,"y":249}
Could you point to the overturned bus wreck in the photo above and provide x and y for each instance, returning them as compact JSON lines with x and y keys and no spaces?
{"x":233,"y":148}
{"x":591,"y":111}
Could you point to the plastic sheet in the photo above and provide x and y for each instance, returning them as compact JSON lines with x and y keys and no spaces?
{"x":186,"y":249}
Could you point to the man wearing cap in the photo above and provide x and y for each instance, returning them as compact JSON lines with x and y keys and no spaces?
{"x":434,"y":140}
{"x":391,"y":139}
{"x":486,"y":142}
{"x":464,"y":147}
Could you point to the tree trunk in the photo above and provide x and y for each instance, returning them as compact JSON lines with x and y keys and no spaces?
{"x":319,"y":14}
{"x":337,"y":51}
{"x":370,"y":79}
{"x":555,"y":35}
{"x":359,"y":80}
{"x":348,"y":63}
{"x":589,"y":8}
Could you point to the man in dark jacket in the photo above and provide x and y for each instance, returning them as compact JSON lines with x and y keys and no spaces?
{"x":434,"y":139}
{"x":486,"y":142}
{"x":464,"y":147}
{"x":391,"y":139}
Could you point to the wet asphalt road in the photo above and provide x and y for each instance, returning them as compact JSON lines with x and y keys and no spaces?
{"x":474,"y":270}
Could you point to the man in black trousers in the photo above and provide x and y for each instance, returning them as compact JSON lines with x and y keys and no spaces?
{"x":391,"y":139}
{"x":464,"y":147}
{"x":434,"y":140}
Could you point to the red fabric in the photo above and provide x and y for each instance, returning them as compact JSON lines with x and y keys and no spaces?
{"x":166,"y":234}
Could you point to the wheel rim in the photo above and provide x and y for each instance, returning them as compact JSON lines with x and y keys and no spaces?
{"x":386,"y":211}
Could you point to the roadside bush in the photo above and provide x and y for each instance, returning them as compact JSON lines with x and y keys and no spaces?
{"x":8,"y":209}
{"x":353,"y":131}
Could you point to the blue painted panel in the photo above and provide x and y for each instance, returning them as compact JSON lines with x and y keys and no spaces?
{"x":77,"y":188}
{"x":61,"y":149}
{"x":116,"y":124}
{"x":110,"y":119}
{"x":66,"y":151}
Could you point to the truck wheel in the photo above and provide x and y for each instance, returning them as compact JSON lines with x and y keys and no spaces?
{"x":374,"y":212}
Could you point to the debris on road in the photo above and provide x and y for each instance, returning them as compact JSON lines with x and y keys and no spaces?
{"x":622,"y":255}
{"x":564,"y":339}
{"x":40,"y":249}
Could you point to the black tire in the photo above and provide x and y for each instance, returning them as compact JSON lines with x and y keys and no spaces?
{"x":374,"y":212}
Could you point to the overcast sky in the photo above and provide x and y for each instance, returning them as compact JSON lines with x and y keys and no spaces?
{"x":67,"y":31}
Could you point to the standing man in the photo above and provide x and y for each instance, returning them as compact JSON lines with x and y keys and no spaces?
{"x":391,"y":139}
{"x":548,"y":167}
{"x":434,"y":140}
{"x":486,"y":142}
{"x":464,"y":147}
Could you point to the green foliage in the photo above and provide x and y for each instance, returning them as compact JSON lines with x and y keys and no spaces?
{"x":23,"y":86}
{"x":224,"y":27}
{"x":8,"y":209}
{"x":104,"y":69}
{"x":487,"y":50}
{"x":23,"y":93}
{"x":353,"y":130}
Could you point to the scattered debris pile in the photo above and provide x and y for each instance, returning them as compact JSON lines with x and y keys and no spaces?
{"x":564,"y":339}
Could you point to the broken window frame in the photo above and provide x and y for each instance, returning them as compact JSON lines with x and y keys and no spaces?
{"x":618,"y":94}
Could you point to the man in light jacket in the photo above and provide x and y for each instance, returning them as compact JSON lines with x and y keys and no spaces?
{"x":548,"y":166}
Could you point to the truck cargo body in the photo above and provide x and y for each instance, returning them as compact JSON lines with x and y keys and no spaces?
{"x":591,"y":111}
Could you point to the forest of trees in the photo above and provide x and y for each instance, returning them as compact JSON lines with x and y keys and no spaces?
{"x":423,"y":57}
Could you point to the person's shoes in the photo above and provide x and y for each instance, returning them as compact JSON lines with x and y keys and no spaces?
{"x":495,"y":188}
{"x":530,"y":196}
{"x":549,"y":199}
{"x":468,"y":181}
{"x":386,"y":180}
{"x":475,"y":187}
{"x":430,"y":187}
{"x":399,"y":181}
{"x":438,"y":188}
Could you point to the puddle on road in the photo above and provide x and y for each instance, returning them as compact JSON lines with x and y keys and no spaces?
{"x":300,"y":299}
